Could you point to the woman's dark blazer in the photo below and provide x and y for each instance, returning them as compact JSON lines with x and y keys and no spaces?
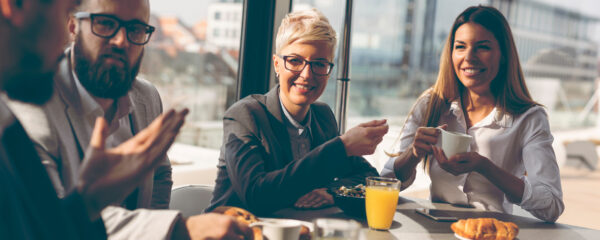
{"x":256,"y":170}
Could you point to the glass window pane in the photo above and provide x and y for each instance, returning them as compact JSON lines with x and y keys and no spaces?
{"x":334,"y":11}
{"x":192,"y":59}
{"x":396,"y":46}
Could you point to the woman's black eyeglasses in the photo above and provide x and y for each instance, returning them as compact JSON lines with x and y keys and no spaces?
{"x":297,"y":64}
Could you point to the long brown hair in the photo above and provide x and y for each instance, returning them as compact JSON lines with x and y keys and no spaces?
{"x":508,"y":87}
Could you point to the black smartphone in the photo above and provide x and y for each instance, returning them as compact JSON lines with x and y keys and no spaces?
{"x":437,"y":215}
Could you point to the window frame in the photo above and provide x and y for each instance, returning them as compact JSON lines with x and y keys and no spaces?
{"x":255,"y":72}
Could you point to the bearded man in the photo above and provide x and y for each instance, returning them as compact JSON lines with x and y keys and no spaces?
{"x":97,"y":78}
{"x":31,"y":34}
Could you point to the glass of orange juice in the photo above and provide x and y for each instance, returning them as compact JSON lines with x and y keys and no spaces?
{"x":381,"y":199}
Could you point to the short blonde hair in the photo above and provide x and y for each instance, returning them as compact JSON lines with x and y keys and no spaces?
{"x":306,"y":25}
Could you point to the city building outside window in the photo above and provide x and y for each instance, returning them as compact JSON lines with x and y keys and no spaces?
{"x":396,"y":47}
{"x":192,"y":59}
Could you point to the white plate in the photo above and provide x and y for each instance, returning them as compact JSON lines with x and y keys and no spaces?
{"x":461,"y":238}
{"x":309,"y":225}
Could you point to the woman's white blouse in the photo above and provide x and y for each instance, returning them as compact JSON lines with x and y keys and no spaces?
{"x":521,"y":145}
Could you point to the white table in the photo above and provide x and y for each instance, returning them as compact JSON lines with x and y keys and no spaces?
{"x":410,"y":225}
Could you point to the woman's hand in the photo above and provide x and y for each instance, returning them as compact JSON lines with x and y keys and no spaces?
{"x":425,"y":137}
{"x":363,"y":139}
{"x":315,"y":199}
{"x":460,"y":163}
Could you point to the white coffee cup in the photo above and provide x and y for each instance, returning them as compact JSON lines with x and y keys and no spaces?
{"x":279,"y":229}
{"x":453,"y":142}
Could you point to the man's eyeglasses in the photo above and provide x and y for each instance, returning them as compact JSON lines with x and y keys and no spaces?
{"x":107,"y":26}
{"x":297,"y":64}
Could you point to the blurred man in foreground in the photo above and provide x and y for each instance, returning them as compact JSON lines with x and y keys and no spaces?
{"x":31,"y":36}
{"x":30,"y":207}
{"x":97,"y":78}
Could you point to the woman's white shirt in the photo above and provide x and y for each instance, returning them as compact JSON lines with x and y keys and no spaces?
{"x":521,"y":145}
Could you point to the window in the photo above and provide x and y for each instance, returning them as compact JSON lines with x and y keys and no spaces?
{"x":192,"y":59}
{"x":334,"y":10}
{"x":395,"y":54}
{"x":396,"y":46}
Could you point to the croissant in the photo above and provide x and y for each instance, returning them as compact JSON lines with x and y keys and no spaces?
{"x":244,"y":216}
{"x":485,"y":229}
{"x":241,"y":215}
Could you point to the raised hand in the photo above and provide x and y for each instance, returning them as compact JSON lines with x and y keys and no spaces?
{"x":315,"y":199}
{"x":109,"y":175}
{"x":363,"y":139}
{"x":425,"y":137}
{"x":460,"y":163}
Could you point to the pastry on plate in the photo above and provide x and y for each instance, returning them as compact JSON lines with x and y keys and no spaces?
{"x":485,"y":229}
{"x":241,"y":215}
{"x":305,"y":233}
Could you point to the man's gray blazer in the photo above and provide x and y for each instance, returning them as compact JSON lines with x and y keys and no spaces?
{"x":61,"y":137}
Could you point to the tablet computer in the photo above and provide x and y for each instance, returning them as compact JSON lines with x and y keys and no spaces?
{"x":437,"y":215}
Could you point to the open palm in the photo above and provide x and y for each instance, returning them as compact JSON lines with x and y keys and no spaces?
{"x":109,"y":175}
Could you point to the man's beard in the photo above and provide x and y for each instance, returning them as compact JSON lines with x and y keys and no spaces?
{"x":100,"y":79}
{"x":30,"y":83}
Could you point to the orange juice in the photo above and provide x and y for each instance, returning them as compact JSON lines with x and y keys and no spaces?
{"x":381,"y":204}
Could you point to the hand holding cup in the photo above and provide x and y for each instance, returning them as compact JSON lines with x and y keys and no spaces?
{"x":424,"y":138}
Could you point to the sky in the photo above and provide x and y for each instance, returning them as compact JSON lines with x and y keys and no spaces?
{"x":193,"y":10}
{"x":588,"y":7}
{"x":190,"y":11}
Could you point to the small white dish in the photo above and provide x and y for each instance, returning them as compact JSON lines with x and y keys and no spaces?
{"x":281,"y":229}
{"x":461,"y":238}
{"x":309,"y":225}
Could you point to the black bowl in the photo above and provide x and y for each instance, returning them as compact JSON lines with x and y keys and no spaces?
{"x":353,"y":206}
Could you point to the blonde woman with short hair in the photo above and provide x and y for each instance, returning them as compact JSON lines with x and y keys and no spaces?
{"x":282,"y":149}
{"x":480,"y":91}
